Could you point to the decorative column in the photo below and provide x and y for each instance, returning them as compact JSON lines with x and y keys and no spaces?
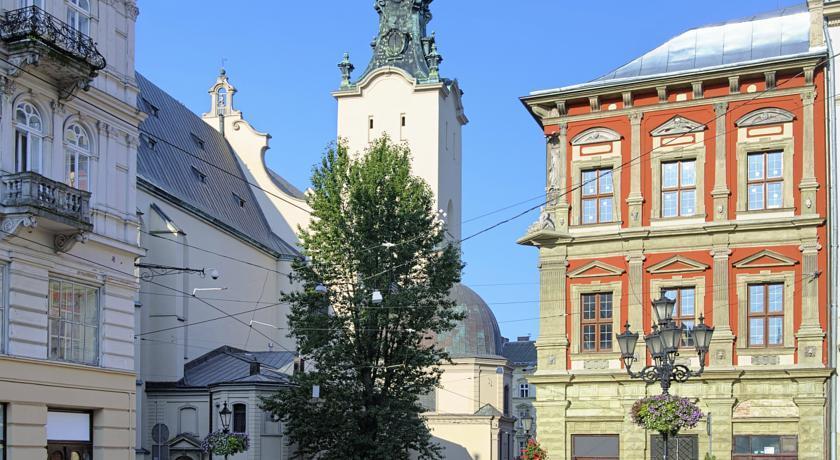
{"x":636,"y":301}
{"x":553,"y":342}
{"x":720,"y":351}
{"x":809,"y":185}
{"x":720,"y":192}
{"x":810,"y":334}
{"x":810,"y":399}
{"x":556,"y":192}
{"x":635,"y":198}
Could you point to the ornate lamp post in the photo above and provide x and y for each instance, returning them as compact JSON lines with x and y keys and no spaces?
{"x":663,"y":343}
{"x":527,"y":424}
{"x":224,"y":415}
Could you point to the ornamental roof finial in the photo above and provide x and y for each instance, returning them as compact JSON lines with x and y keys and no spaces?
{"x":347,"y":68}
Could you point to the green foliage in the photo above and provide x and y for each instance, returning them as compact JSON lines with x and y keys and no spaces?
{"x":667,"y":414}
{"x":223,"y":443}
{"x":533,"y":451}
{"x":709,"y":457}
{"x":374,"y":227}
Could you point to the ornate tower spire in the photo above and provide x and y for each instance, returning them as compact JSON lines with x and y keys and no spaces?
{"x":402,"y":40}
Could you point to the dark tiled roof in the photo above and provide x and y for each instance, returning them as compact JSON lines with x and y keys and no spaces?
{"x":232,"y":365}
{"x":211,"y":191}
{"x":520,"y":352}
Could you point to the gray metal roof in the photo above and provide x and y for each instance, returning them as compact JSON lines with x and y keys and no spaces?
{"x":477,"y":335}
{"x":189,"y":177}
{"x":228,"y":365}
{"x":761,"y":37}
{"x":520,"y":352}
{"x":284,"y":185}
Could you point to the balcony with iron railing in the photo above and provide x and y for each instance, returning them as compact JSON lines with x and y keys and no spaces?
{"x":33,"y":36}
{"x":29,"y":194}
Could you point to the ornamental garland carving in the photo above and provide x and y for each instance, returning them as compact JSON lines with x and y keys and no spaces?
{"x":767,"y":116}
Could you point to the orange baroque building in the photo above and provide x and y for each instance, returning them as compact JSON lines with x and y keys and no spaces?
{"x":697,"y":171}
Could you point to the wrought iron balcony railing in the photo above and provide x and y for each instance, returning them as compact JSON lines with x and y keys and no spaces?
{"x":31,"y":193}
{"x":33,"y":23}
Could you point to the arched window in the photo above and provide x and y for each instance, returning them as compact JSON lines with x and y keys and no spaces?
{"x":221,"y":101}
{"x":78,"y":15}
{"x":239,"y":412}
{"x":188,"y":420}
{"x":77,"y":157}
{"x":28,"y":138}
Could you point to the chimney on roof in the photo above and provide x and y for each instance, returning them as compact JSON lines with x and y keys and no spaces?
{"x":255,"y":368}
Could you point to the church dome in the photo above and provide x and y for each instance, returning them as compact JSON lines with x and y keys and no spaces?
{"x":477,"y":335}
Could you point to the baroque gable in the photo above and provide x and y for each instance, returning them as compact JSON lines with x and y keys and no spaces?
{"x":596,"y":136}
{"x":766,"y":116}
{"x":595,"y":269}
{"x":676,"y":126}
{"x":765,"y":258}
{"x":678,"y":264}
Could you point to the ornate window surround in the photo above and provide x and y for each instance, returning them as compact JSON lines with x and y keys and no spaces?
{"x":742,"y":282}
{"x":576,"y":290}
{"x":695,"y":152}
{"x":784,"y":142}
{"x":583,"y":162}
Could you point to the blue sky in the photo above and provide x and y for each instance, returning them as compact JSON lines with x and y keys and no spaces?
{"x":282,"y":55}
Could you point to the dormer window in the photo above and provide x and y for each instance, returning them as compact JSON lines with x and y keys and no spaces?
{"x":198,"y":141}
{"x":199,"y":175}
{"x":148,"y":107}
{"x":239,"y":200}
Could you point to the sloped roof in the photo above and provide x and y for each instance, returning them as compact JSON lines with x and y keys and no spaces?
{"x":231,"y":365}
{"x":772,"y":35}
{"x":477,"y":335}
{"x":189,"y":177}
{"x":520,"y":352}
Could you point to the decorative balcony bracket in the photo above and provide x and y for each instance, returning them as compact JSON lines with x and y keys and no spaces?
{"x":34,"y":37}
{"x":64,"y":242}
{"x":12,"y":225}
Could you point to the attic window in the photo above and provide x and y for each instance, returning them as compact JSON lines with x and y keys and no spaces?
{"x":148,"y":107}
{"x":150,"y":142}
{"x":239,"y":200}
{"x":198,"y":141}
{"x":199,"y":175}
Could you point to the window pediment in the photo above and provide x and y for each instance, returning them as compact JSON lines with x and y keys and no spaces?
{"x":765,"y":258}
{"x":678,"y":264}
{"x":676,"y":126}
{"x":595,"y":269}
{"x":766,"y":116}
{"x":596,"y":136}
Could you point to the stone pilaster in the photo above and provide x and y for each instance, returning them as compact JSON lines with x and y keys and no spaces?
{"x":809,"y":185}
{"x":556,"y":191}
{"x":721,"y":409}
{"x":636,"y":300}
{"x":633,"y":438}
{"x":720,"y":351}
{"x":811,"y":442}
{"x":553,"y":342}
{"x":635,"y":198}
{"x":551,"y":414}
{"x":720,"y":192}
{"x":810,"y":335}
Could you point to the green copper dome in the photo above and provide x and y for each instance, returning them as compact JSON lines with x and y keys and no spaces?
{"x":477,"y":335}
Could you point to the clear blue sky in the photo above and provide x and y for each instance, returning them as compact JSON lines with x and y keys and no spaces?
{"x":282,"y":55}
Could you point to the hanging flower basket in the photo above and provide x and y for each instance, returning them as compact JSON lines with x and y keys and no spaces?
{"x":666,"y":414}
{"x":221,"y":443}
{"x":533,"y":451}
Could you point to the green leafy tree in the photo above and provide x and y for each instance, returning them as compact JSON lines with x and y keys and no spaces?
{"x":374,"y":228}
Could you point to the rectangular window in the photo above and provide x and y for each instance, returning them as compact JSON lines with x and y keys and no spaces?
{"x":239,"y":420}
{"x":765,"y":314}
{"x":69,"y":435}
{"x":78,"y":15}
{"x":524,"y":391}
{"x":592,"y":447}
{"x":684,"y":311}
{"x":679,"y":447}
{"x":73,"y":322}
{"x":749,"y":447}
{"x":679,"y":188}
{"x":596,"y":322}
{"x":765,"y":180}
{"x":27,"y":151}
{"x":597,"y":196}
{"x":402,"y":127}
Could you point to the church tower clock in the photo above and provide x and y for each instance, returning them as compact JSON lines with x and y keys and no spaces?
{"x":402,"y":94}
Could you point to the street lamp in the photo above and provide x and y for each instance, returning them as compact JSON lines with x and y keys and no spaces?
{"x":527,"y":424}
{"x":224,"y":415}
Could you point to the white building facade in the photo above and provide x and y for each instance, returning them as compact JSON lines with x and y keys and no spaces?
{"x":69,"y":131}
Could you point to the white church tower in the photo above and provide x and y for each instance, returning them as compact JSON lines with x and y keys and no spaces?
{"x":401,"y":94}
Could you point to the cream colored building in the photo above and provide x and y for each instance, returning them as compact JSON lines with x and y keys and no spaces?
{"x":210,"y":329}
{"x":68,"y":127}
{"x":657,"y":184}
{"x":522,"y":357}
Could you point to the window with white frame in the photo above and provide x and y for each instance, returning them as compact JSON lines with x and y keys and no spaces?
{"x":77,"y":157}
{"x":684,"y":310}
{"x":765,"y":180}
{"x":524,"y":390}
{"x":766,"y":314}
{"x":78,"y":15}
{"x":596,"y":196}
{"x":73,"y":322}
{"x":679,"y":188}
{"x":28,"y":138}
{"x":25,"y":3}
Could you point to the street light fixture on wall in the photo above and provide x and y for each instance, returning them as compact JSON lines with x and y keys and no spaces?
{"x":663,"y":343}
